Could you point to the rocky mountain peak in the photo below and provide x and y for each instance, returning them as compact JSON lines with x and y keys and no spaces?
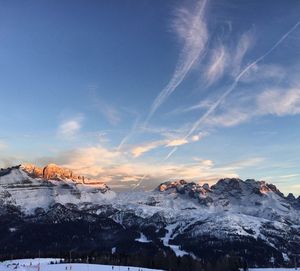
{"x":228,"y":184}
{"x":226,"y":192}
{"x":291,"y":197}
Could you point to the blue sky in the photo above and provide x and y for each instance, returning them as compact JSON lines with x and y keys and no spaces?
{"x":139,"y":92}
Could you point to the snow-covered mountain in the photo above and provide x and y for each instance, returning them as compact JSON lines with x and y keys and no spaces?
{"x":233,"y":217}
{"x":24,"y":188}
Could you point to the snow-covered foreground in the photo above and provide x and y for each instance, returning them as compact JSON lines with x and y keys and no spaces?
{"x":272,"y":269}
{"x":32,"y":265}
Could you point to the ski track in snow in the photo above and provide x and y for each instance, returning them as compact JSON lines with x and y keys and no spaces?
{"x":143,"y":239}
{"x":170,"y":235}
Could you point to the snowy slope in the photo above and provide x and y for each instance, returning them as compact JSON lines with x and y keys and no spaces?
{"x":271,"y":269}
{"x":186,"y":218}
{"x":24,"y":265}
{"x":234,"y":210}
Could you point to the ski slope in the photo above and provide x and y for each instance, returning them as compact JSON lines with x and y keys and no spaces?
{"x":32,"y":265}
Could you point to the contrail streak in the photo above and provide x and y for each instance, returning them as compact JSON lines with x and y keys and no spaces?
{"x":194,"y":33}
{"x":140,"y":182}
{"x":193,"y":30}
{"x":170,"y":153}
{"x":129,"y":135}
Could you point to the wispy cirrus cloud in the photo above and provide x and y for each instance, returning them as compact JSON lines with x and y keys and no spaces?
{"x":237,"y":79}
{"x":237,"y":74}
{"x":265,"y":73}
{"x":279,"y":102}
{"x":223,"y":60}
{"x":216,"y":66}
{"x":107,"y":109}
{"x":191,"y":28}
{"x":273,"y":101}
{"x":245,"y":43}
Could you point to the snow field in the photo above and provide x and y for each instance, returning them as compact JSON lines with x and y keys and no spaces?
{"x":24,"y":265}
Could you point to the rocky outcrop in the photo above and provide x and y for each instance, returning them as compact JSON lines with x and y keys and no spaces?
{"x":55,"y":172}
{"x":295,"y":202}
{"x":52,"y":171}
{"x":33,"y":170}
{"x":228,"y":193}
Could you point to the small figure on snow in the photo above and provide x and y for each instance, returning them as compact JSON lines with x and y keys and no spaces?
{"x":245,"y":265}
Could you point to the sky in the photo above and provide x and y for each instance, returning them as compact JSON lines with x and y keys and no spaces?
{"x":135,"y":93}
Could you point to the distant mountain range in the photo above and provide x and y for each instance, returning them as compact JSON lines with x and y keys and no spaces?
{"x":53,"y":210}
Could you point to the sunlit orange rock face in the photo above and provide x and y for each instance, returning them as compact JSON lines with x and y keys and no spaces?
{"x":53,"y":172}
{"x":33,"y":170}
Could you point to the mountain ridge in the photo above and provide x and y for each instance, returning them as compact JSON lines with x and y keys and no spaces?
{"x":178,"y":217}
{"x":53,"y":171}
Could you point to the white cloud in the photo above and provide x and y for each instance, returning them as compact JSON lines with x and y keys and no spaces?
{"x":177,"y":142}
{"x":263,"y":72}
{"x":139,"y":150}
{"x":70,"y":128}
{"x":88,"y":160}
{"x":279,"y":102}
{"x":204,"y":162}
{"x":112,"y":167}
{"x":118,"y":170}
{"x":199,"y":136}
